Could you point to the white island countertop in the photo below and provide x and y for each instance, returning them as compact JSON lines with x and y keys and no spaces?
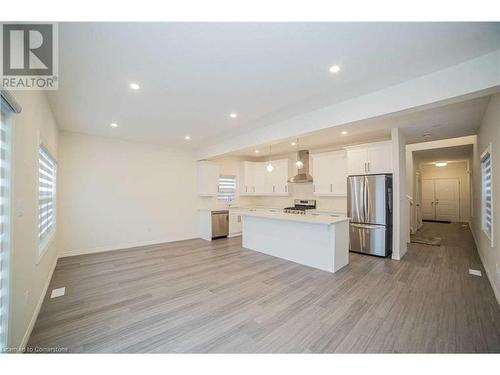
{"x":313,"y":219}
{"x":319,"y":241}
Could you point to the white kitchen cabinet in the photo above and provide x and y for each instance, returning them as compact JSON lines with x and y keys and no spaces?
{"x":260,"y":178}
{"x":256,"y":180}
{"x":330,"y":173}
{"x":208,"y":178}
{"x":235,"y":223}
{"x":372,"y":158}
{"x":246,"y":178}
{"x":277,"y":180}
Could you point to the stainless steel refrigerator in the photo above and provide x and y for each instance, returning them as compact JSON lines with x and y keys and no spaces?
{"x":369,"y":207}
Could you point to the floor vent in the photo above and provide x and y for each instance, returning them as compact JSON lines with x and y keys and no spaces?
{"x":475,"y":272}
{"x":58,"y":292}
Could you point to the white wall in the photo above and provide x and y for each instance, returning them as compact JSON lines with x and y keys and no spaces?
{"x":400,"y":228}
{"x":457,"y":170}
{"x":489,"y":132}
{"x":30,"y":274}
{"x":115,"y":194}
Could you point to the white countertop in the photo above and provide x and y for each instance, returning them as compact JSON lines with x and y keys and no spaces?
{"x":322,"y":219}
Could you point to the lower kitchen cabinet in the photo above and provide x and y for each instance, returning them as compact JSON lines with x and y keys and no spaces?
{"x":235,"y":223}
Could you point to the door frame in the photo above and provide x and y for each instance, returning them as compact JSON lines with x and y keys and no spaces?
{"x":459,"y":195}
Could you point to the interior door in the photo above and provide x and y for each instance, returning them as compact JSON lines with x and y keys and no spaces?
{"x":447,"y":199}
{"x":418,"y":199}
{"x":428,"y":209}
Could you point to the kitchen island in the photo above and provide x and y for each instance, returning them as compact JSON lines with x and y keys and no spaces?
{"x":317,"y":241}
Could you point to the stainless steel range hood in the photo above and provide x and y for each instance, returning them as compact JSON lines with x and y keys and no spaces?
{"x":303,"y":175}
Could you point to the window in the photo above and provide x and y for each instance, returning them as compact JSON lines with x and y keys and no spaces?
{"x":486,"y":193}
{"x":4,"y":225}
{"x":46,"y":197}
{"x":227,"y":188}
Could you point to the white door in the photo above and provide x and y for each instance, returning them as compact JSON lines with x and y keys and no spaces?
{"x":428,"y":212}
{"x":441,"y":199}
{"x":356,"y":160}
{"x":279,"y":177}
{"x":447,"y":199}
{"x":379,"y":158}
{"x":322,"y":174}
{"x":259,"y":178}
{"x":418,"y":200}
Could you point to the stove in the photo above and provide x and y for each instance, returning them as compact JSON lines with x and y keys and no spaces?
{"x":300,"y":206}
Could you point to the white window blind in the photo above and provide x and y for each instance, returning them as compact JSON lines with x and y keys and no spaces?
{"x":227,"y":188}
{"x":4,"y":226}
{"x":486,"y":193}
{"x":46,"y":196}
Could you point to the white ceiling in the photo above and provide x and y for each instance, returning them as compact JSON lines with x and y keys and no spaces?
{"x":449,"y":121}
{"x":192,"y":75}
{"x":454,"y":153}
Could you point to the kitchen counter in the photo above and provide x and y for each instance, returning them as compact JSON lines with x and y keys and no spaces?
{"x":320,"y":219}
{"x":317,"y":241}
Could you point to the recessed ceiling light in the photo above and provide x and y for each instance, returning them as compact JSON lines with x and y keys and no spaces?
{"x":187,"y":137}
{"x":135,"y":86}
{"x":113,"y":125}
{"x":441,"y":164}
{"x":294,"y":143}
{"x":344,"y":132}
{"x":257,"y":151}
{"x":426,"y":135}
{"x":334,"y":69}
{"x":233,"y":115}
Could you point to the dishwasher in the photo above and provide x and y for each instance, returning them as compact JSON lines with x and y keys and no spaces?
{"x":220,"y":224}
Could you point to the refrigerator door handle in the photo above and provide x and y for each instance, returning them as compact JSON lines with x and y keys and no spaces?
{"x":368,"y":226}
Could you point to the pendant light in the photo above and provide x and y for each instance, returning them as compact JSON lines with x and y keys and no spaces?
{"x":298,"y":163}
{"x":269,"y":166}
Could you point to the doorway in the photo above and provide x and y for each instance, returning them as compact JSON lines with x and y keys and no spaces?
{"x":441,"y":199}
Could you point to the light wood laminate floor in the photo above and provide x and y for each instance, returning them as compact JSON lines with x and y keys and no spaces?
{"x":199,"y":296}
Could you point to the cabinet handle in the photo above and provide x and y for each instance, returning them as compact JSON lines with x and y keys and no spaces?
{"x":368,"y":166}
{"x":314,"y":187}
{"x":331,"y":188}
{"x":254,"y":189}
{"x":365,"y":167}
{"x":286,"y":189}
{"x":246,"y":189}
{"x":274,"y":189}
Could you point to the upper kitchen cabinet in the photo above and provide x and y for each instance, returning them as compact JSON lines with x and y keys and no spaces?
{"x":246,"y":177}
{"x":208,"y":178}
{"x":330,"y":173}
{"x":372,"y":158}
{"x":256,"y":180}
{"x":277,"y":180}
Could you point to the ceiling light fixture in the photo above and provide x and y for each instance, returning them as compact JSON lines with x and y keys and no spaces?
{"x":294,"y":143}
{"x":113,"y":125}
{"x":440,"y":164}
{"x":344,"y":132}
{"x":334,"y":69}
{"x":233,"y":115}
{"x":257,"y":151}
{"x":134,"y":86}
{"x":187,"y":137}
{"x":426,"y":135}
{"x":269,"y":166}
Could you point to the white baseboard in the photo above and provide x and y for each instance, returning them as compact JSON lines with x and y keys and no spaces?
{"x":490,"y":278}
{"x":101,"y":249}
{"x":27,"y":334}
